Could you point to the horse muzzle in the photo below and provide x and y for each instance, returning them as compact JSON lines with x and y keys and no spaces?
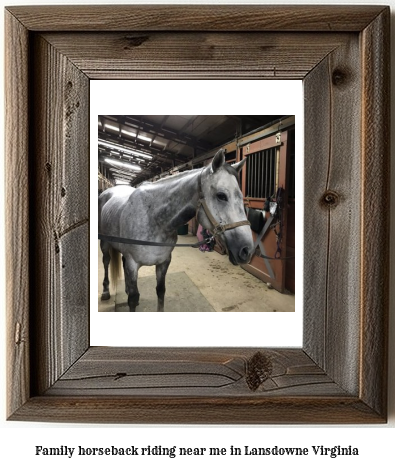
{"x":240,"y":245}
{"x":242,"y":256}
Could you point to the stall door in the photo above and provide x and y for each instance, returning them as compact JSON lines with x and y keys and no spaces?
{"x":266,"y":171}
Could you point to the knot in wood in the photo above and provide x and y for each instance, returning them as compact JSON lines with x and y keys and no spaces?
{"x":330,"y":199}
{"x":339,"y":77}
{"x":259,"y":369}
{"x":133,"y":41}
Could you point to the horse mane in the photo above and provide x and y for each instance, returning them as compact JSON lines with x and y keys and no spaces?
{"x":171,"y":177}
{"x":227,"y":167}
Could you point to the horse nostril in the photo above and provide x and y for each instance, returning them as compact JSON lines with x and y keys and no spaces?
{"x":244,"y":253}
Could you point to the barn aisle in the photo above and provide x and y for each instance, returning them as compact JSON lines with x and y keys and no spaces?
{"x":200,"y":281}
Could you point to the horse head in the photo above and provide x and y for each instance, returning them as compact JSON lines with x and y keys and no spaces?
{"x":221,"y":208}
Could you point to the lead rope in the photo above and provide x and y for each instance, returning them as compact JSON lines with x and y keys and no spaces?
{"x":218,"y":228}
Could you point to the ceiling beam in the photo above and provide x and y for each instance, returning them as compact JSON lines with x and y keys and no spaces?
{"x":177,"y":136}
{"x":158,"y":154}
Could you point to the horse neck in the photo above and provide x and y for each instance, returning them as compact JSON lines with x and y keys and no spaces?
{"x":178,"y":197}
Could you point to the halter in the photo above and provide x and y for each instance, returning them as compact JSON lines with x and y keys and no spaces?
{"x":218,"y":227}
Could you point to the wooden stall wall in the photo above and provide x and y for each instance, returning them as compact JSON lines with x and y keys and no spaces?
{"x":268,"y":168}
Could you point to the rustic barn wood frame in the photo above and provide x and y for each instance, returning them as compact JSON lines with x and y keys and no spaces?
{"x":340,"y":374}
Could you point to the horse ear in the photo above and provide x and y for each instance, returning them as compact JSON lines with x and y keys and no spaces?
{"x":218,"y":160}
{"x":239,"y":166}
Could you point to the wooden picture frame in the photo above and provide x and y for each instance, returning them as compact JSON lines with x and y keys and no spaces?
{"x":340,"y":373}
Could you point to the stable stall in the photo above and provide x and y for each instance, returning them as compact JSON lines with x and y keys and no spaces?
{"x":133,"y":150}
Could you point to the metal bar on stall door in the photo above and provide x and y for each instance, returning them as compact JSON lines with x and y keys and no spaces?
{"x":249,"y":166}
{"x":270,"y":184}
{"x":252,"y":175}
{"x":259,"y":174}
{"x":277,"y":167}
{"x":270,"y":178}
{"x":249,"y":175}
{"x":263,"y":175}
{"x":267,"y":179}
{"x":263,"y":195}
{"x":268,"y":194}
{"x":275,"y":174}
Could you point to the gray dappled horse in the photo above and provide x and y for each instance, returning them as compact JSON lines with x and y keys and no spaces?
{"x":154,"y":211}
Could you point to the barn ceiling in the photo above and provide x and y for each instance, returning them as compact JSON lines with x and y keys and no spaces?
{"x":137,"y":148}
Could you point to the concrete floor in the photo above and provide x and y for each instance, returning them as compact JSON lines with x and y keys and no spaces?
{"x":200,"y":281}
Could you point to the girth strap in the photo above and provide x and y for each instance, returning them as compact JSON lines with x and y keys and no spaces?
{"x":131,"y":241}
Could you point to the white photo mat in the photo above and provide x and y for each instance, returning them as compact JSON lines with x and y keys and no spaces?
{"x":200,"y":97}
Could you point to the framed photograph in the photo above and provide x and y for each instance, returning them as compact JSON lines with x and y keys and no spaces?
{"x":175,"y":137}
{"x":339,"y":375}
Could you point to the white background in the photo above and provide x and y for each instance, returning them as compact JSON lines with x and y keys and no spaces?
{"x":208,"y":97}
{"x":18,"y":440}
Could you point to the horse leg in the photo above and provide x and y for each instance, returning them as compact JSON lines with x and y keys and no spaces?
{"x":131,"y":271}
{"x":161,"y":270}
{"x":105,"y":248}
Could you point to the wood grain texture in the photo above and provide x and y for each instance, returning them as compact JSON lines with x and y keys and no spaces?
{"x":17,"y":213}
{"x":198,"y":410}
{"x":196,"y":18}
{"x":74,"y":293}
{"x":196,"y":55}
{"x":332,"y":251}
{"x":192,"y":372}
{"x":317,"y":148}
{"x":339,"y":376}
{"x":375,"y":202}
{"x":61,"y":213}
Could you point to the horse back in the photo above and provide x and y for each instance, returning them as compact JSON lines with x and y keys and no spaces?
{"x":118,"y":196}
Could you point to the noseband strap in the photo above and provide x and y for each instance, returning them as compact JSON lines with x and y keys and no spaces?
{"x":218,"y":227}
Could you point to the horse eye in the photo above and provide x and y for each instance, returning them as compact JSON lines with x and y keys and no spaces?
{"x":222,"y":196}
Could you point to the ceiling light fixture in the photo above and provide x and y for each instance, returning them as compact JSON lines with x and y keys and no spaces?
{"x":109,"y":126}
{"x":124,"y":149}
{"x":128,"y":133}
{"x":118,"y":182}
{"x":121,"y":164}
{"x":114,"y":146}
{"x":143,"y":137}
